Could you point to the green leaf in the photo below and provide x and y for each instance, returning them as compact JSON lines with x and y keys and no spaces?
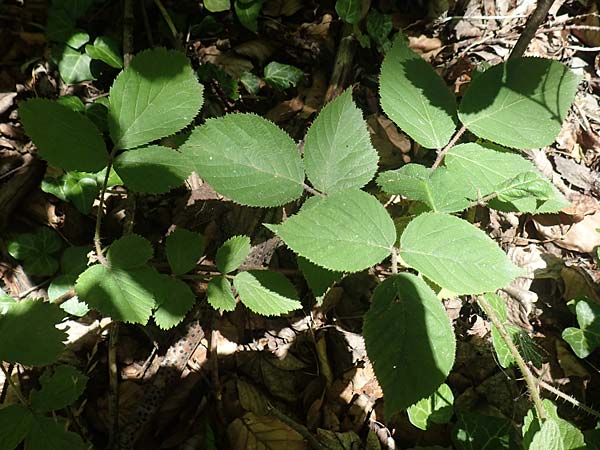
{"x":350,"y":11}
{"x":61,"y":285}
{"x":184,"y":248}
{"x":440,"y":189}
{"x":79,"y":188}
{"x":219,"y":294}
{"x":571,"y":436}
{"x":525,"y":185}
{"x":75,"y":8}
{"x":74,"y":260}
{"x":455,"y":254}
{"x":74,"y":66}
{"x":338,"y":154}
{"x":282,"y":76}
{"x":409,"y":340}
{"x":32,"y":245}
{"x":250,"y":82}
{"x":217,"y":5}
{"x":437,"y":408}
{"x":354,"y":231}
{"x":379,"y":27}
{"x":248,"y":159}
{"x":548,"y":438}
{"x":60,"y":25}
{"x":106,"y":50}
{"x":43,"y":266}
{"x":154,"y":169}
{"x":129,"y":252}
{"x":15,"y":423}
{"x":479,"y":432}
{"x":155,"y":96}
{"x":123,"y":294}
{"x":28,"y":334}
{"x":485,"y":171}
{"x":232,"y":253}
{"x":48,"y":433}
{"x":210,"y":73}
{"x":97,"y":112}
{"x":416,"y":98}
{"x":72,"y":102}
{"x":174,"y":299}
{"x":318,"y":278}
{"x":267,"y":293}
{"x":520,"y":103}
{"x":78,"y":40}
{"x":58,"y":390}
{"x":585,"y":339}
{"x":64,"y":138}
{"x":247,"y":13}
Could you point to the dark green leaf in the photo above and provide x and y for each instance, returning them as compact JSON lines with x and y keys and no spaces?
{"x":282,"y":76}
{"x":174,"y":299}
{"x":59,"y":390}
{"x":130,"y":251}
{"x":184,"y":248}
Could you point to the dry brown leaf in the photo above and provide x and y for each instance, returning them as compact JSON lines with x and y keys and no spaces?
{"x":425,"y":46}
{"x":580,"y":237}
{"x":570,"y":365}
{"x":253,"y":432}
{"x":579,"y":284}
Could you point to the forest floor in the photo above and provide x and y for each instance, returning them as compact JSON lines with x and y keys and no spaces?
{"x":311,"y":365}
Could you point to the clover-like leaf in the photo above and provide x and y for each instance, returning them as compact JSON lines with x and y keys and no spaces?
{"x":155,"y":96}
{"x":338,"y":154}
{"x":184,"y":248}
{"x":248,"y":159}
{"x":520,"y":103}
{"x":267,"y":293}
{"x":232,"y":253}
{"x":59,"y":389}
{"x":354,"y":231}
{"x":63,"y":137}
{"x":219,"y":294}
{"x":455,"y":254}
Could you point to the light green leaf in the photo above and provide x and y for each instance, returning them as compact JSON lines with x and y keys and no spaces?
{"x":154,"y":169}
{"x":585,"y":339}
{"x":440,"y":189}
{"x":416,"y":98}
{"x":318,"y":278}
{"x":409,"y":340}
{"x":72,"y":102}
{"x":78,"y":40}
{"x":64,"y":138}
{"x":437,"y":408}
{"x":232,"y":253}
{"x":219,"y":294}
{"x":520,"y":103}
{"x":61,"y":285}
{"x":455,"y":254}
{"x":479,"y":432}
{"x":155,"y":96}
{"x":59,"y":389}
{"x":174,"y":299}
{"x":548,"y":438}
{"x":338,"y":154}
{"x":572,"y":438}
{"x":28,"y":334}
{"x":350,"y":11}
{"x":217,"y":5}
{"x":248,"y":159}
{"x":525,"y":185}
{"x":79,"y":188}
{"x":267,"y":293}
{"x":15,"y":423}
{"x":123,"y":294}
{"x":251,"y":82}
{"x":106,"y":50}
{"x":247,"y":13}
{"x":74,"y":66}
{"x":485,"y":170}
{"x":184,"y":248}
{"x":354,"y":230}
{"x":129,"y":252}
{"x":48,"y":433}
{"x":282,"y":76}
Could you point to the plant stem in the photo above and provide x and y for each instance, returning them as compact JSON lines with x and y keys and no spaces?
{"x":529,"y":378}
{"x":167,"y":17}
{"x":569,"y":399}
{"x":12,"y":384}
{"x":533,"y":23}
{"x":446,"y":149}
{"x":97,"y":242}
{"x":311,"y":190}
{"x":394,"y":260}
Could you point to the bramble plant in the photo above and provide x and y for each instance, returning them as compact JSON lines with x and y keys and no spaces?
{"x":340,"y":228}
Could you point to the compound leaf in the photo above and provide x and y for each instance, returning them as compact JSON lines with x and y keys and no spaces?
{"x":282,"y":76}
{"x":436,"y":408}
{"x":409,"y":340}
{"x":184,"y":248}
{"x":455,"y":255}
{"x":232,"y":253}
{"x":520,"y":103}
{"x":15,"y":423}
{"x":123,"y":294}
{"x":338,"y":154}
{"x":130,"y":251}
{"x":155,"y":96}
{"x":28,"y":334}
{"x":415,"y":97}
{"x":354,"y":231}
{"x":64,"y":138}
{"x":152,"y":170}
{"x":219,"y":294}
{"x":248,"y":159}
{"x":267,"y":293}
{"x":585,"y":339}
{"x":174,"y":299}
{"x":58,"y":390}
